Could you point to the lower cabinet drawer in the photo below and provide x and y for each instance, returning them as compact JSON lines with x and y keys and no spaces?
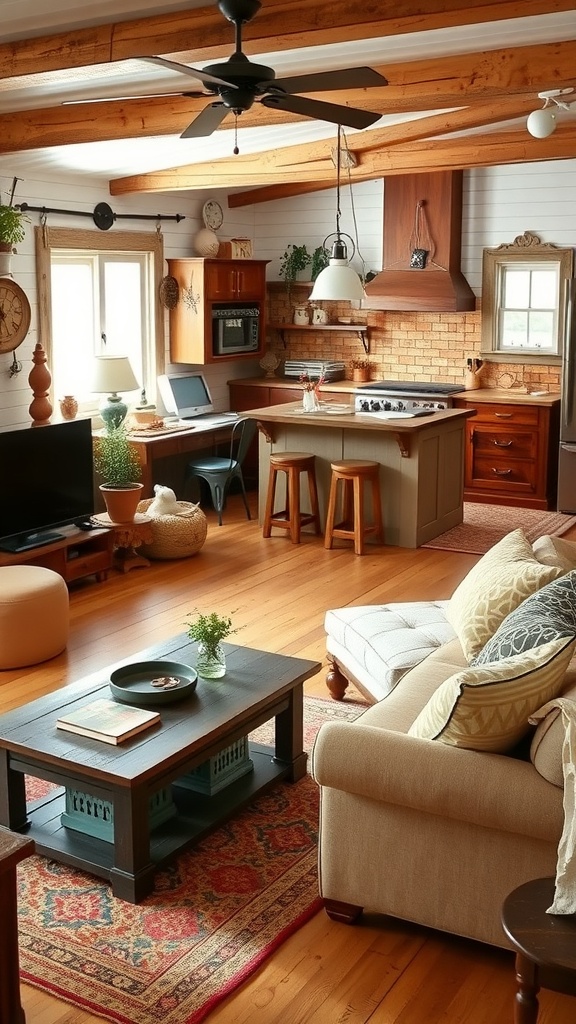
{"x":509,"y":474}
{"x":519,"y":445}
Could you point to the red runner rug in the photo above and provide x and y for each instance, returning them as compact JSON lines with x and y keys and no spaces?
{"x":214,"y":916}
{"x":485,"y":525}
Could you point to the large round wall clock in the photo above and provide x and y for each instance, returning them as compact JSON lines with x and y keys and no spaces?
{"x":14,"y":315}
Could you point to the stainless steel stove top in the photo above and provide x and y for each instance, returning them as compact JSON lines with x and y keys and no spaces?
{"x":398,"y":396}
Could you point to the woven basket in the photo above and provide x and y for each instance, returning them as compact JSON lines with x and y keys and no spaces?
{"x":175,"y":536}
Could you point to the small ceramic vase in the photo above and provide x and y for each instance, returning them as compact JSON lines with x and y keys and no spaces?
{"x":319,"y":316}
{"x":301,"y":315}
{"x":68,"y":407}
{"x":208,"y":665}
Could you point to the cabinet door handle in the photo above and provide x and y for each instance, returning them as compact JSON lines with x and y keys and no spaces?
{"x":502,"y":444}
{"x":501,"y":472}
{"x":504,"y":415}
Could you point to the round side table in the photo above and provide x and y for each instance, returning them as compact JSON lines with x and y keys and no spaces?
{"x":128,"y":537}
{"x":545,"y":946}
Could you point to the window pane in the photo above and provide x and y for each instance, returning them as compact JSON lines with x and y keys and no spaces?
{"x":123,"y":313}
{"x":73,"y":327}
{"x":541,"y":330}
{"x":514,"y":329}
{"x":544,"y":289}
{"x":516,"y":289}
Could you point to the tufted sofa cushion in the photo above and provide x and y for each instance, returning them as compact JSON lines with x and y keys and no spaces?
{"x":380,"y":643}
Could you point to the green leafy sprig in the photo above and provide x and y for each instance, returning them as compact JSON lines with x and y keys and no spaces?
{"x":116,"y":459}
{"x":210,"y":629}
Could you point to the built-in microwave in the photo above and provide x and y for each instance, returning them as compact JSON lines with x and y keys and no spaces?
{"x":235,"y":329}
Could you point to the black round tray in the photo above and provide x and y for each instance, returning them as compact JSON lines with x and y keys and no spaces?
{"x":132,"y":684}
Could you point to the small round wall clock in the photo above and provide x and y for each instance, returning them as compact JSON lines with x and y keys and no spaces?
{"x":212,"y":215}
{"x":14,"y":315}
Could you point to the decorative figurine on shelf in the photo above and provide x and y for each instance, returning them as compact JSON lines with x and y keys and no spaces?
{"x":269,"y":363}
{"x":310,"y":399}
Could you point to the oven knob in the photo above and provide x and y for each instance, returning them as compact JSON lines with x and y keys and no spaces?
{"x":364,"y":406}
{"x":375,"y":405}
{"x":387,"y":405}
{"x":401,"y":406}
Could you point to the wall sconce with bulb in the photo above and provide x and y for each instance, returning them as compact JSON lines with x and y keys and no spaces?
{"x":542,"y":123}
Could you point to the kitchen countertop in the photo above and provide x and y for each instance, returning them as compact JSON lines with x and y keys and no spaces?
{"x":496,"y":395}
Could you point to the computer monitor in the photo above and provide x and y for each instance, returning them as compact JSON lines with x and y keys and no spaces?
{"x":185,"y":394}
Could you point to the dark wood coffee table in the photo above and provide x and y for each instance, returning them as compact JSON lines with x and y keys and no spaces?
{"x":545,"y":946}
{"x":122,"y":787}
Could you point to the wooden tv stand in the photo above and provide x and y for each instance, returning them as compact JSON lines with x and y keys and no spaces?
{"x":77,"y":554}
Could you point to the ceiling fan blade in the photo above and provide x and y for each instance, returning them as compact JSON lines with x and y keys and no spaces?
{"x":351,"y":117}
{"x":184,"y":69}
{"x":347,"y":78}
{"x":207,"y":122}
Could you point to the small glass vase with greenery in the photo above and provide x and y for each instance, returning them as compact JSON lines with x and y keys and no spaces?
{"x":209,"y":631}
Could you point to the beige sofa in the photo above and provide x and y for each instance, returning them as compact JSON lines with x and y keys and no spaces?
{"x":426,"y":829}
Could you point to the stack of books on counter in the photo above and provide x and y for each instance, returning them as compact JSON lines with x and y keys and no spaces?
{"x":315,"y":368}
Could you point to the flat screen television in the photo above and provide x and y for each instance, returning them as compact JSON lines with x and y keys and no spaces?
{"x":46,"y":478}
{"x":185,"y":394}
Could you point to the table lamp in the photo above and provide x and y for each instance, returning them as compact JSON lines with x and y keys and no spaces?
{"x":111,"y":375}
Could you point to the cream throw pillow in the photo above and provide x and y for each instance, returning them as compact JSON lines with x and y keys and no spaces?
{"x":487,"y":708}
{"x":555,"y":551}
{"x":507,"y":574}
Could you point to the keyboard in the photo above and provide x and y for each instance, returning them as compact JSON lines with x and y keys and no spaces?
{"x":216,"y":419}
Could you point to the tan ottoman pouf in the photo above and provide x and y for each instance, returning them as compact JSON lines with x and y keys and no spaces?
{"x":33,"y":615}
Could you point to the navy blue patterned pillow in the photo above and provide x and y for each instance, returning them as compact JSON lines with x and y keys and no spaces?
{"x":546,"y":615}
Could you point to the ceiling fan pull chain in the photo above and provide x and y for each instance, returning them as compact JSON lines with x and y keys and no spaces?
{"x":236,"y":149}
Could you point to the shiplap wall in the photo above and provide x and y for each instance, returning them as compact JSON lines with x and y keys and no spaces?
{"x":499,"y":204}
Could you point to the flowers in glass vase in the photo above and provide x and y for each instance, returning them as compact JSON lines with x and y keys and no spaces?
{"x":310,"y":391}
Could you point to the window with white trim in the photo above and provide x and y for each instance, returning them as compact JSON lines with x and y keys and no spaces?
{"x":100,"y":298}
{"x":523,"y":300}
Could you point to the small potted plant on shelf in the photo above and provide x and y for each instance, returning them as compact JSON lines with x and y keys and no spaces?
{"x":360,"y":369}
{"x":294,"y":259}
{"x":12,"y":231}
{"x":209,"y":631}
{"x":319,"y":261}
{"x":116,"y":461}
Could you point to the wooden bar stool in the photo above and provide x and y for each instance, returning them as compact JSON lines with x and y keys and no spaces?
{"x":354,"y":474}
{"x":291,"y":518}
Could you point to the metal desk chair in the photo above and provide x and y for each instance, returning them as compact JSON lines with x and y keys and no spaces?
{"x":219,"y":471}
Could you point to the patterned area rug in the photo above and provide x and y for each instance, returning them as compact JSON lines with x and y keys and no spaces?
{"x":485,"y":525}
{"x":214,"y":916}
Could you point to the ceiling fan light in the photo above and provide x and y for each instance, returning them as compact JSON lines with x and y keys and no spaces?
{"x":338,"y":281}
{"x":541,"y":123}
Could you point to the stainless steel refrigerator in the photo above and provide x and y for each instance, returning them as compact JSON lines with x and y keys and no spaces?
{"x":567,"y":456}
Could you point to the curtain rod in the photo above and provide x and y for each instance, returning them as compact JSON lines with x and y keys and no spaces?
{"x":102,"y":215}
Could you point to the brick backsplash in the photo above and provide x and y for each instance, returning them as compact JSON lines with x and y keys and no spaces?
{"x":402,"y":345}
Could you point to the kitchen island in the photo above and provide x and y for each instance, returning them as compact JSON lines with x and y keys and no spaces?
{"x":421,"y":460}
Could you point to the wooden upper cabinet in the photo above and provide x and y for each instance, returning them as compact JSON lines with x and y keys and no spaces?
{"x":228,"y":280}
{"x":203,"y":284}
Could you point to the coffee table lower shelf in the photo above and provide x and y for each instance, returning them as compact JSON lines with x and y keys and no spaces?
{"x":198,"y":815}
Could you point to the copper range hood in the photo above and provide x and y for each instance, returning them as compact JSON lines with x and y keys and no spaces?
{"x":422,"y":246}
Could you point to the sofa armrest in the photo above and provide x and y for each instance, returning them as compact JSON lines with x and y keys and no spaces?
{"x":491,"y":790}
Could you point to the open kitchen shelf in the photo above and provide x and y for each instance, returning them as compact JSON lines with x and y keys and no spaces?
{"x":360,"y":329}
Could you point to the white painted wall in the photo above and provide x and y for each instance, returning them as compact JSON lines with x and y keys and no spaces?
{"x":499,"y":204}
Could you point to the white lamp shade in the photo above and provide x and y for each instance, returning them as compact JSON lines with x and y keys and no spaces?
{"x":541,"y":123}
{"x":113,"y":373}
{"x":338,"y":281}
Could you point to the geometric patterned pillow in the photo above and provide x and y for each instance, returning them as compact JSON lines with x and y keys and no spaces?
{"x":487,"y":708}
{"x":547,"y":615}
{"x":504,"y":577}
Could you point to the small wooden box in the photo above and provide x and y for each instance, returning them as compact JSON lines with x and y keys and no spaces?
{"x":236,"y":249}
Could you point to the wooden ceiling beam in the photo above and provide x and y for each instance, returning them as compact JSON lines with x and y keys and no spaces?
{"x":279,"y":25}
{"x":450,"y":154}
{"x":418,"y":85}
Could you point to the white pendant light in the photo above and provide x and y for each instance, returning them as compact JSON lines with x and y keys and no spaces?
{"x":338,"y":280}
{"x":542,"y":123}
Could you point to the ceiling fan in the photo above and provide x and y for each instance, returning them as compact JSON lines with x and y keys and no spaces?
{"x":239,"y":82}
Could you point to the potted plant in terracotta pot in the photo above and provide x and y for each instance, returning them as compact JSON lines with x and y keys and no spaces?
{"x":116,"y":461}
{"x":12,"y":231}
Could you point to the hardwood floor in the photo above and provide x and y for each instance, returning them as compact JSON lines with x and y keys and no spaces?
{"x":382,"y":971}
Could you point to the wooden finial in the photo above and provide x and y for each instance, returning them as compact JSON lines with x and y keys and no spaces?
{"x":40,"y":379}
